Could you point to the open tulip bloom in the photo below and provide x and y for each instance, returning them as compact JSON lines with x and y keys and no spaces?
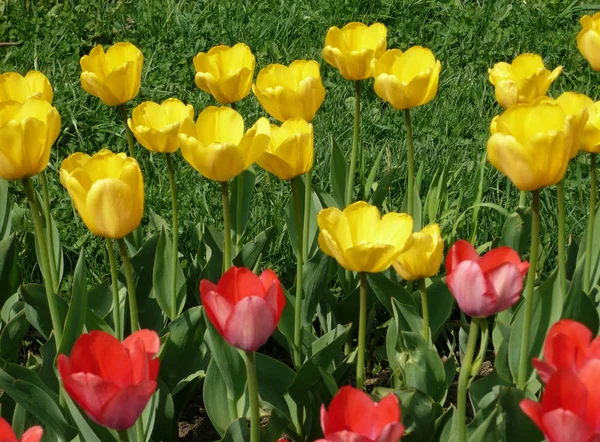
{"x":34,"y":434}
{"x":15,"y":87}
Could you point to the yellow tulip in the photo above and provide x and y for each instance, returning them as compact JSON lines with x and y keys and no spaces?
{"x":352,"y":48}
{"x":360,"y":239}
{"x":407,"y":79}
{"x":15,"y":87}
{"x":114,"y":76}
{"x":216,"y":145}
{"x":290,"y":151}
{"x":290,"y":92}
{"x":588,"y":40}
{"x":522,"y":81}
{"x":579,"y":106}
{"x":225,"y":72}
{"x":156,"y":126}
{"x":532,"y":143}
{"x":424,"y":256}
{"x":590,"y":138}
{"x":107,"y":190}
{"x":27,"y":132}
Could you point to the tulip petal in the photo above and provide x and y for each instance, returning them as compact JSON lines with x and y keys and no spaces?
{"x":90,"y":392}
{"x":387,"y":412}
{"x":565,"y":344}
{"x":335,"y":223}
{"x":142,"y":346}
{"x":255,"y":142}
{"x":217,"y":306}
{"x":14,"y":87}
{"x":589,"y":375}
{"x":394,"y":229}
{"x":238,"y":283}
{"x":6,"y":432}
{"x":362,"y":218}
{"x":350,"y":409}
{"x":564,"y":426}
{"x":473,"y":293}
{"x":123,"y":409}
{"x":460,"y":251}
{"x":274,"y":292}
{"x":588,"y":42}
{"x":251,"y":323}
{"x":39,"y":85}
{"x":391,"y":433}
{"x":372,"y":258}
{"x":497,"y":257}
{"x":96,"y":86}
{"x":34,"y":434}
{"x":534,"y":411}
{"x":565,"y":391}
{"x":508,"y":284}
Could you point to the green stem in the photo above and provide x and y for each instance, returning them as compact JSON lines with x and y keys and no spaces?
{"x":524,"y":362}
{"x":139,"y":430}
{"x":362,"y":332}
{"x":522,"y":199}
{"x":133,"y":310}
{"x":307,"y":207}
{"x":425,"y":308}
{"x":114,"y":276}
{"x":49,"y":241}
{"x":296,"y":182}
{"x":232,"y":407}
{"x":253,"y":394}
{"x":352,"y":171}
{"x":175,"y":229}
{"x":128,"y":134}
{"x":562,"y":259}
{"x":227,"y":228}
{"x":123,"y":435}
{"x":463,"y":382}
{"x":39,"y":234}
{"x":587,"y":275}
{"x":411,"y":163}
{"x":238,"y":211}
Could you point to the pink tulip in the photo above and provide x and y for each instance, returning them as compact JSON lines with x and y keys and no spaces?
{"x":486,"y":285}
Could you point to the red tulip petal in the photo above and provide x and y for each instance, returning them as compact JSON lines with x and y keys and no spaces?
{"x":250,"y":324}
{"x":101,"y":354}
{"x":90,"y":392}
{"x":347,"y":436}
{"x":34,"y":434}
{"x":217,"y":308}
{"x":535,"y":412}
{"x":543,"y":369}
{"x":206,"y":287}
{"x":564,"y":426}
{"x":497,"y":257}
{"x":140,"y":358}
{"x":351,"y":409}
{"x":590,"y":375}
{"x":391,"y":433}
{"x":6,"y":431}
{"x":460,"y":251}
{"x":274,"y":293}
{"x":508,"y":284}
{"x":387,"y":411}
{"x":564,"y":390}
{"x":125,"y":407}
{"x":238,"y":283}
{"x":149,"y":338}
{"x":64,"y":366}
{"x":593,"y":351}
{"x":473,"y":293}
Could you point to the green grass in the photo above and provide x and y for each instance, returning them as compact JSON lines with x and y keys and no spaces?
{"x":467,"y":36}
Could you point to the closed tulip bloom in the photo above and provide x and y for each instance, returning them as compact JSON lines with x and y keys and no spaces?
{"x":486,"y":285}
{"x":407,"y":79}
{"x":354,"y":417}
{"x":590,"y":138}
{"x":579,"y":107}
{"x":532,"y":143}
{"x":216,"y":145}
{"x":244,"y":308}
{"x":156,"y":126}
{"x":27,"y":132}
{"x":360,"y":239}
{"x":225,"y":72}
{"x":15,"y":87}
{"x":291,"y":149}
{"x":114,"y":76}
{"x":568,"y":345}
{"x":290,"y":92}
{"x":570,"y":407}
{"x":522,"y":81}
{"x":352,"y":48}
{"x":423,"y":258}
{"x":588,"y":40}
{"x":107,"y":190}
{"x":111,"y":381}
{"x":34,"y":434}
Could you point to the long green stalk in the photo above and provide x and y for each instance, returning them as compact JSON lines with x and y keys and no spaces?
{"x":128,"y":134}
{"x":131,"y":296}
{"x":587,"y":271}
{"x":175,"y":229}
{"x":253,"y":394}
{"x":238,"y":206}
{"x":296,"y":182}
{"x":562,"y":258}
{"x":41,"y":240}
{"x":362,"y":332}
{"x":463,"y":382}
{"x":411,"y":163}
{"x":114,"y":276}
{"x":522,"y":199}
{"x":307,"y":207}
{"x":48,"y":218}
{"x":425,"y":308}
{"x":354,"y":153}
{"x":227,"y":229}
{"x":533,"y":255}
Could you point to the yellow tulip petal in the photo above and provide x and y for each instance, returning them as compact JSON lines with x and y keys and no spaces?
{"x":334,"y":221}
{"x":11,"y":153}
{"x":362,"y":218}
{"x":254,"y":142}
{"x":372,"y":258}
{"x":13,"y":87}
{"x":588,"y":43}
{"x":39,"y":85}
{"x":94,"y":85}
{"x":394,"y":229}
{"x":219,"y":125}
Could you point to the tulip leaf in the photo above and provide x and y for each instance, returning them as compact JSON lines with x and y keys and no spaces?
{"x":218,"y":401}
{"x":417,"y":214}
{"x":165,"y":425}
{"x":478,"y":195}
{"x":517,"y":426}
{"x":579,"y":306}
{"x":339,"y":173}
{"x":10,"y":273}
{"x":100,"y":299}
{"x":595,"y":273}
{"x":162,"y":277}
{"x":213,"y":241}
{"x":37,"y":402}
{"x":47,"y":372}
{"x":57,"y":260}
{"x":237,"y":431}
{"x":36,"y":308}
{"x":5,"y":210}
{"x":77,"y":307}
{"x":316,"y":275}
{"x":143,"y":267}
{"x":441,"y":303}
{"x":373,"y":172}
{"x":250,"y":254}
{"x":12,"y":306}
{"x":516,"y":232}
{"x":244,"y":181}
{"x":488,"y":430}
{"x":383,"y":187}
{"x":385,"y":289}
{"x":12,"y":336}
{"x":290,"y":218}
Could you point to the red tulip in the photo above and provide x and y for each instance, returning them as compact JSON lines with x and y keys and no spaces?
{"x":354,"y":417}
{"x":34,"y":434}
{"x":244,"y":308}
{"x":570,"y":406}
{"x":485,"y":285}
{"x":112,"y":381}
{"x":568,"y":345}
